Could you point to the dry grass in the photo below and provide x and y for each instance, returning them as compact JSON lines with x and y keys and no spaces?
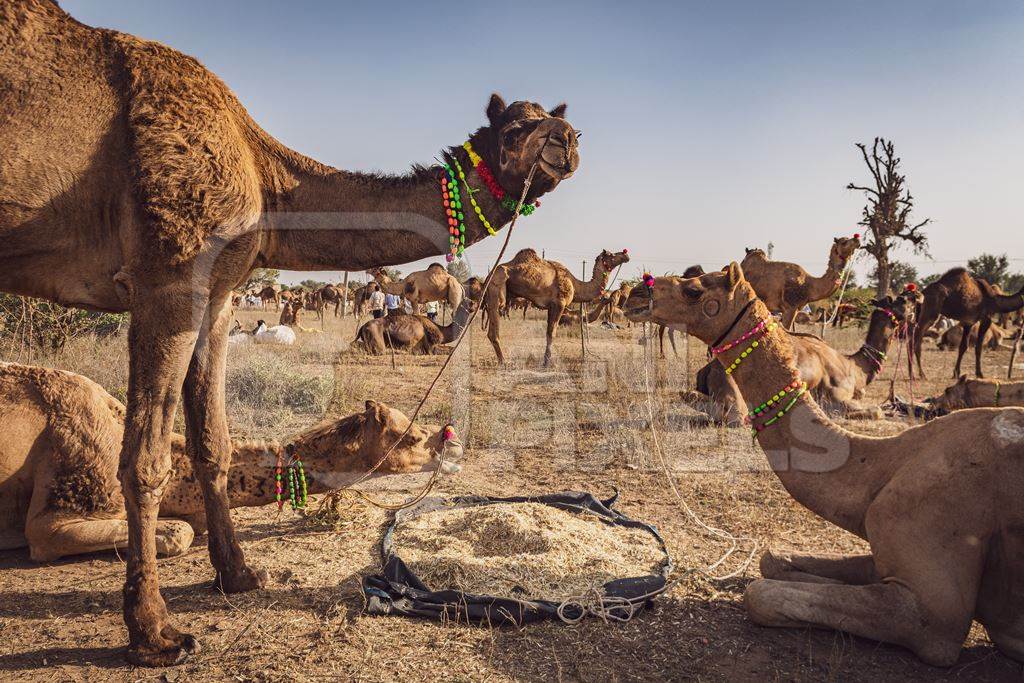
{"x":524,"y":551}
{"x":578,"y":426}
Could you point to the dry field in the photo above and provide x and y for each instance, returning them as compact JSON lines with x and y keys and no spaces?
{"x":580,"y":425}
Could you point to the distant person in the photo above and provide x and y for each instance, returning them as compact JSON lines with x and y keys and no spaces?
{"x":377,"y":302}
{"x":393,"y":303}
{"x":432,"y":311}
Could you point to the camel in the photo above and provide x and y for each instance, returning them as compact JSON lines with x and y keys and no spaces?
{"x":950,"y":339}
{"x":979,"y":393}
{"x":616,"y":298}
{"x":941,"y":504}
{"x":64,"y":455}
{"x":786,"y":287}
{"x":134,"y":180}
{"x":572,"y":318}
{"x":836,"y":380}
{"x":969,"y":300}
{"x":331,"y":294}
{"x":434,"y":283}
{"x":546,"y":284}
{"x":270,"y":294}
{"x":414,"y":332}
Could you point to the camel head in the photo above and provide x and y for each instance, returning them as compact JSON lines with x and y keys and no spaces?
{"x":474,"y":287}
{"x":893,"y":314}
{"x":522,"y":133}
{"x":607,"y":261}
{"x":842,"y":250}
{"x":953,"y":398}
{"x":379,"y":274}
{"x":707,"y":306}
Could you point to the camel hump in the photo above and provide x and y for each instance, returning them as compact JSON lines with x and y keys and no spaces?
{"x":196,"y":174}
{"x":437,"y":266}
{"x":524,"y":255}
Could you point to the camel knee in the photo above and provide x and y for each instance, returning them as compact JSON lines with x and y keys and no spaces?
{"x":775,"y":565}
{"x":173,"y":537}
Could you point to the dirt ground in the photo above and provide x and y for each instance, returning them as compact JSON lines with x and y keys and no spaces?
{"x":582,"y":425}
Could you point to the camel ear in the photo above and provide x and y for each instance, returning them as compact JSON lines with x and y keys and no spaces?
{"x":735,"y":275}
{"x":559,"y":111}
{"x":962,"y":379}
{"x":495,"y":108}
{"x":835,"y":240}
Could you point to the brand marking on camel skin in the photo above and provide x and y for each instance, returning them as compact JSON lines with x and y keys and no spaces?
{"x":1008,"y":429}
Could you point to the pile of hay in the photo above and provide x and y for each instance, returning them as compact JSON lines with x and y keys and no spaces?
{"x":526,"y":551}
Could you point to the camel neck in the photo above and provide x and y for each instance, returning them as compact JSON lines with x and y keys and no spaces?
{"x":829,"y":470}
{"x":586,"y":291}
{"x":332,"y":219}
{"x":871,"y":356}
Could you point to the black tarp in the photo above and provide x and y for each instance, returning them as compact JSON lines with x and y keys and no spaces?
{"x":397,"y":591}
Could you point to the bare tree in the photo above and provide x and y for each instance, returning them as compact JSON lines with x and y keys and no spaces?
{"x":887,"y":213}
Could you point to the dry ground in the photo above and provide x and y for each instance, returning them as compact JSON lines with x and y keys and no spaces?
{"x":576,"y":426}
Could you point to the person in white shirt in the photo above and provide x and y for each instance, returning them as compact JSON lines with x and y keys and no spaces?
{"x":432,"y":311}
{"x":377,"y":302}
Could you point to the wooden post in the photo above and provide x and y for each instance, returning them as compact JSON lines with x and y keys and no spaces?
{"x":583,"y":326}
{"x":1013,"y":352}
{"x":345,"y":295}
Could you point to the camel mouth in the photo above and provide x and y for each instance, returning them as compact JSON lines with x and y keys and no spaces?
{"x":637,"y":313}
{"x":555,"y":172}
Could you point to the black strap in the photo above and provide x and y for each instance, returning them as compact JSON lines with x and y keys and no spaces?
{"x":725,"y":334}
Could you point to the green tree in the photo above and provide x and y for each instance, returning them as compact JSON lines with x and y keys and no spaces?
{"x":900,"y":274}
{"x":928,"y":279}
{"x":1014,"y":283}
{"x":990,"y":267}
{"x":887,"y":213}
{"x":262,"y":277}
{"x":312,"y":285}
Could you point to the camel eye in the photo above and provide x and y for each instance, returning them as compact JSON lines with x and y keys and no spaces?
{"x":693,"y":292}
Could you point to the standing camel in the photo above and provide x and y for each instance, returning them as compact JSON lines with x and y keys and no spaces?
{"x":434,"y":283}
{"x":941,"y":505}
{"x":546,"y":284}
{"x":331,"y":294}
{"x":786,"y":287}
{"x":269,"y":294}
{"x":134,"y":180}
{"x":969,"y":300}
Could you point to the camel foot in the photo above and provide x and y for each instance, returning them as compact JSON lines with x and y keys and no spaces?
{"x":245,"y":579}
{"x":170,"y":648}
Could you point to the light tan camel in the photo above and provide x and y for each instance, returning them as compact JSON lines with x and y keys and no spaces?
{"x":434,"y":283}
{"x":547,"y":285}
{"x":416,"y":333}
{"x":616,"y":298}
{"x":969,"y":300}
{"x":786,"y":287}
{"x":980,"y":393}
{"x":836,"y":380}
{"x":134,"y":180}
{"x":59,"y":492}
{"x":941,"y":504}
{"x":951,"y":338}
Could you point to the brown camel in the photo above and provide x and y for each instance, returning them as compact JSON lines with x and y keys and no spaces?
{"x":616,"y":298}
{"x":134,"y":180}
{"x":941,"y":504}
{"x":786,"y":287}
{"x":67,"y":433}
{"x":417,"y":333}
{"x":979,"y":393}
{"x":331,"y":294}
{"x":434,"y":283}
{"x":546,"y":284}
{"x":951,"y":338}
{"x":969,"y":300}
{"x":270,"y":294}
{"x":836,"y":380}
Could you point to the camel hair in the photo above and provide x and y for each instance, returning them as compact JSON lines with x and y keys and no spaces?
{"x":979,"y":393}
{"x":941,"y":504}
{"x":134,"y":180}
{"x":414,"y":332}
{"x":434,"y":283}
{"x":786,"y":287}
{"x":76,"y":505}
{"x":968,"y":300}
{"x":547,"y":285}
{"x":836,"y":380}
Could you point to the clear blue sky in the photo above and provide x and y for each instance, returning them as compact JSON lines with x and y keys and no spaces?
{"x":708,"y":126}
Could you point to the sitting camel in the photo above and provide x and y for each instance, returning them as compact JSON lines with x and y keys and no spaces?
{"x":836,"y":380}
{"x":546,"y":284}
{"x":786,"y":287}
{"x":979,"y":393}
{"x":59,"y":492}
{"x":941,"y":504}
{"x":950,"y":339}
{"x":413,"y":332}
{"x":433,"y":284}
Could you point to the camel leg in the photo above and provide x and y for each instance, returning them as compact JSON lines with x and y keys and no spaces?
{"x":964,"y":341}
{"x":554,"y":315}
{"x":788,"y":317}
{"x":209,"y":447}
{"x":979,"y":347}
{"x":55,"y":535}
{"x":161,"y":338}
{"x":493,"y":317}
{"x":845,"y":569}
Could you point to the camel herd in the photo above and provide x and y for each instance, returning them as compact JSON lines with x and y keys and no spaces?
{"x":133,"y":180}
